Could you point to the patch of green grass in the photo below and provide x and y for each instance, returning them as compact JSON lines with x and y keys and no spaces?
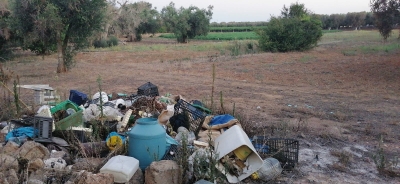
{"x":352,"y":37}
{"x":235,"y":29}
{"x":221,"y":36}
{"x":306,"y":58}
{"x":331,"y":31}
{"x":349,"y":52}
{"x":389,"y":47}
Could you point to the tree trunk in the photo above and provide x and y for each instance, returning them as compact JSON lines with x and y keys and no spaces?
{"x":104,"y":34}
{"x":61,"y":65}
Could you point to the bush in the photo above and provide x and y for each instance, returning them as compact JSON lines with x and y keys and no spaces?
{"x":290,"y":34}
{"x":112,"y":41}
{"x":100,"y":44}
{"x":138,"y":37}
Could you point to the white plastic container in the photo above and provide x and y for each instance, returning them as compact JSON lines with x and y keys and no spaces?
{"x":229,"y":141}
{"x":121,"y":167}
{"x":270,"y":169}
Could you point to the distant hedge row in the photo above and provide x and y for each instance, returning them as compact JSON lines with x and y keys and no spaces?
{"x":235,"y":29}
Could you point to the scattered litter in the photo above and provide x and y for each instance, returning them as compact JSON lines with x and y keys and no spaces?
{"x":270,"y":169}
{"x":115,"y":140}
{"x":55,"y":163}
{"x":226,"y":144}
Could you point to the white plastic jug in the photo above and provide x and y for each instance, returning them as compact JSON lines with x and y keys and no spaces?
{"x":121,"y":167}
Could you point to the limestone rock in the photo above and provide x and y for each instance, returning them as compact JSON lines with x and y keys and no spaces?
{"x":31,"y":150}
{"x":88,"y":164}
{"x":35,"y":165}
{"x":57,"y":154}
{"x":137,"y":178}
{"x":100,"y":178}
{"x":34,"y":181}
{"x":11,"y":176}
{"x":3,"y":179}
{"x":8,"y":162}
{"x":10,"y":148}
{"x":163,"y":172}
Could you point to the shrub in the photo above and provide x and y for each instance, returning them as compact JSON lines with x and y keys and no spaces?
{"x":138,"y":37}
{"x":100,"y":44}
{"x":112,"y":41}
{"x":290,"y":34}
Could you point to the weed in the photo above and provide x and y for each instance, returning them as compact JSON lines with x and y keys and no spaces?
{"x":212,"y":87}
{"x":379,"y":157}
{"x":235,"y":49}
{"x":306,"y":58}
{"x":349,"y":52}
{"x":344,"y":157}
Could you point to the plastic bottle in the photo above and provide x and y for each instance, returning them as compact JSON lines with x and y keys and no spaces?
{"x":270,"y":169}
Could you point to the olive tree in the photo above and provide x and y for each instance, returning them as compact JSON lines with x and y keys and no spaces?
{"x":387,"y":13}
{"x":187,"y":22}
{"x":296,"y":29}
{"x":137,"y":18}
{"x":63,"y":26}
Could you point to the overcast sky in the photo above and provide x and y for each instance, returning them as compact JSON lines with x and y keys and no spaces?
{"x":260,"y":10}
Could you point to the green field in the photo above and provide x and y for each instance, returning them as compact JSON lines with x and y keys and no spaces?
{"x":235,"y":29}
{"x":221,"y":36}
{"x":251,"y":35}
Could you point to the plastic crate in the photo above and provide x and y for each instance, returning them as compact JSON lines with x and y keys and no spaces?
{"x":148,"y":89}
{"x":64,"y":106}
{"x":188,"y":116}
{"x":44,"y":125}
{"x":73,"y":120}
{"x":285,"y":150}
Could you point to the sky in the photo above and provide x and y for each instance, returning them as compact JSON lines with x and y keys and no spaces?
{"x":261,"y":10}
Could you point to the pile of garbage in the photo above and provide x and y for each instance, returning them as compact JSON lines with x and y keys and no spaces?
{"x":139,"y":132}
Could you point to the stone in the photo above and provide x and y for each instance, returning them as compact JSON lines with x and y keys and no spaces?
{"x":163,"y":172}
{"x":8,"y":162}
{"x":89,"y":164}
{"x":3,"y":179}
{"x":57,"y":154}
{"x":100,"y":178}
{"x":31,"y":150}
{"x":35,"y":165}
{"x":10,"y":148}
{"x":75,"y":177}
{"x":11,"y":176}
{"x":137,"y":178}
{"x":34,"y":181}
{"x":2,"y":136}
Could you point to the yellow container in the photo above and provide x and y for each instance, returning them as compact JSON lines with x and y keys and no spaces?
{"x":242,"y":152}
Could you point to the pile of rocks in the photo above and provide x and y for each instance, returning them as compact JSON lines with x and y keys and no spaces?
{"x":33,"y":163}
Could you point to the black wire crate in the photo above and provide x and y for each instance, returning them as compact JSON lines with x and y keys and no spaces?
{"x":285,"y":150}
{"x":148,"y":89}
{"x":188,"y":116}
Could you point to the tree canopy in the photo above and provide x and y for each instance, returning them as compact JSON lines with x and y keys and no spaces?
{"x":65,"y":26}
{"x":387,"y":14}
{"x":295,"y":29}
{"x":186,"y":22}
{"x":137,"y":18}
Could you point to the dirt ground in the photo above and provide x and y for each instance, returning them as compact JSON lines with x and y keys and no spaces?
{"x":329,"y":101}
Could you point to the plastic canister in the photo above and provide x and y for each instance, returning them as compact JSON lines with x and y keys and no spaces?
{"x":121,"y":167}
{"x":270,"y":169}
{"x":147,"y":141}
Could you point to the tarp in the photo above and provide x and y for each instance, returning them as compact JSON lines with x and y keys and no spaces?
{"x":18,"y":132}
